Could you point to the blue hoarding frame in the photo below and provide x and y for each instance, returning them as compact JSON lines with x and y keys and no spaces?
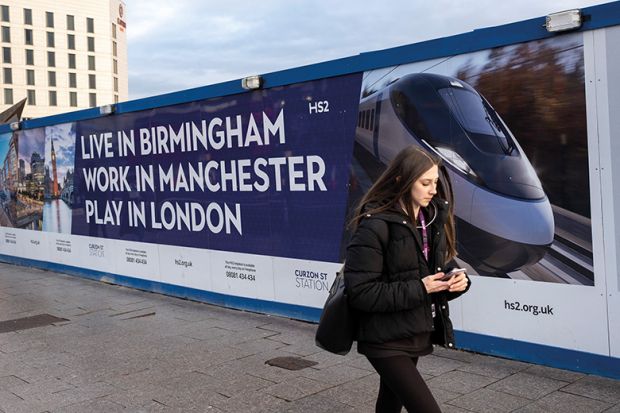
{"x":595,"y":17}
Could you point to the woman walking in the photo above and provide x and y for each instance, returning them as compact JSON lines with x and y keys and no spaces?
{"x":396,"y":276}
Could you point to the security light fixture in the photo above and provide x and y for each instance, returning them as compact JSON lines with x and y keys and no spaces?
{"x":252,"y":82}
{"x":107,"y":109}
{"x":15,"y":126}
{"x":563,"y":20}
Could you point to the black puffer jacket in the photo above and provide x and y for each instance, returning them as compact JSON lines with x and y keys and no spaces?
{"x":383,"y":277}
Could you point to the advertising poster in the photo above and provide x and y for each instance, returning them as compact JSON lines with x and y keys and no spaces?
{"x":218,"y":195}
{"x":259,"y":173}
{"x":523,"y":218}
{"x":493,"y":117}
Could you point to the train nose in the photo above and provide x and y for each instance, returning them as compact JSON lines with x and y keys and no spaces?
{"x":492,"y":254}
{"x":497,"y":234}
{"x":510,"y":175}
{"x":511,"y":187}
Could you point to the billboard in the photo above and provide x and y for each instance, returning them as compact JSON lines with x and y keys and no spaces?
{"x":523,"y":218}
{"x":224,"y":195}
{"x":249,"y":195}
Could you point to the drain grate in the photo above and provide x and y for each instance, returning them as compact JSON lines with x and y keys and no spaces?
{"x":25,"y":323}
{"x":291,"y":363}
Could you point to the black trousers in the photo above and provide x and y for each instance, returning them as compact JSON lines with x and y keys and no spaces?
{"x":402,"y":385}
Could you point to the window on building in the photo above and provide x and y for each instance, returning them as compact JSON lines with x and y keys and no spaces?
{"x":70,"y":22}
{"x":113,"y":31}
{"x":50,"y":39}
{"x":53,"y":98}
{"x":32,"y":97}
{"x":115,"y":66}
{"x":6,"y":34}
{"x":73,"y":99}
{"x":28,"y":36}
{"x":51,"y":59}
{"x":5,"y":13}
{"x":71,"y":60}
{"x":116,"y":84}
{"x":91,"y":63}
{"x":6,"y":55}
{"x":49,"y":19}
{"x":114,"y":49}
{"x":30,"y":77}
{"x":28,"y":16}
{"x":72,"y":80}
{"x":8,"y":96}
{"x":30,"y":57}
{"x":115,"y":98}
{"x":91,"y":44}
{"x":92,"y":99}
{"x":90,"y":25}
{"x":71,"y":41}
{"x":92,"y":82}
{"x":7,"y":75}
{"x":51,"y":78}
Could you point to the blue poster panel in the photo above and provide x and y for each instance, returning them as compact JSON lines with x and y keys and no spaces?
{"x":264,"y":172}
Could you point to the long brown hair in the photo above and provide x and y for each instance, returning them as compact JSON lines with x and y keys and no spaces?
{"x":395,"y":184}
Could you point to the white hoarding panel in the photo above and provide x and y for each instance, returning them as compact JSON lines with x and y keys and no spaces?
{"x":98,"y":254}
{"x":607,"y":106}
{"x":136,"y":259}
{"x":184,"y":266}
{"x":242,"y":275}
{"x":565,"y":316}
{"x":32,"y":244}
{"x":8,"y":241}
{"x":303,"y":282}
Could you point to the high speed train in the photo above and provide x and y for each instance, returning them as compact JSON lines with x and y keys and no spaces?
{"x":503,"y":217}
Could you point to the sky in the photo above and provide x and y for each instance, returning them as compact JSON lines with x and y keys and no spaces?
{"x":182,"y":44}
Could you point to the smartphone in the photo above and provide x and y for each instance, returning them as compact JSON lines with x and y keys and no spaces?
{"x":452,"y":273}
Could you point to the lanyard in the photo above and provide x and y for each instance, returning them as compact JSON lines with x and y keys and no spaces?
{"x":425,"y":248}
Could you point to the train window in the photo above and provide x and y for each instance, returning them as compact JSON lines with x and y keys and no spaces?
{"x":408,"y":112}
{"x":359,"y":119}
{"x":372,"y":119}
{"x":469,"y":110}
{"x":478,"y":118}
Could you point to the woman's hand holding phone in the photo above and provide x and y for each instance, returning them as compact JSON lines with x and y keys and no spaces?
{"x":454,"y":280}
{"x":433,"y":283}
{"x":458,"y":281}
{"x":452,"y":273}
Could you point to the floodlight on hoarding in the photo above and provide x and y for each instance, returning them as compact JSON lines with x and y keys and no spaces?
{"x":563,"y":20}
{"x":252,"y":82}
{"x":15,"y":126}
{"x":107,"y":109}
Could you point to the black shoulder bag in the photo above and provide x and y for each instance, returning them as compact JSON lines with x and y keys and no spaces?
{"x":337,"y":325}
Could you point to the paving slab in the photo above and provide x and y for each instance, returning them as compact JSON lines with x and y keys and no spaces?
{"x":527,"y":385}
{"x":599,"y":388}
{"x":487,"y":400}
{"x":560,"y":402}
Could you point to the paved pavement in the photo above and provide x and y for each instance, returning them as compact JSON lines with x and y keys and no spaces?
{"x":133,"y":351}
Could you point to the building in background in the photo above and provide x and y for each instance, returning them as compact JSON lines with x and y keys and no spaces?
{"x":62,"y":56}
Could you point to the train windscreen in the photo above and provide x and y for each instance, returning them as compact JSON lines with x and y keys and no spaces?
{"x":479,"y":119}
